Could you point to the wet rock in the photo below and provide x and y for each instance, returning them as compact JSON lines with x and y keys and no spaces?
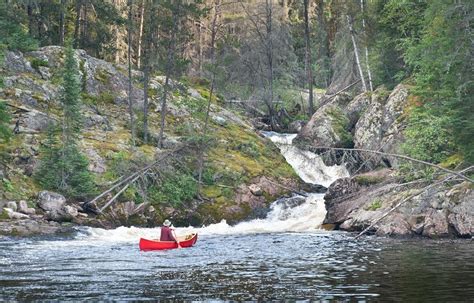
{"x":50,"y":201}
{"x":290,"y":202}
{"x":30,"y":227}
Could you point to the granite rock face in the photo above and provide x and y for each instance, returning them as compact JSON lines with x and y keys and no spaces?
{"x":439,"y":212}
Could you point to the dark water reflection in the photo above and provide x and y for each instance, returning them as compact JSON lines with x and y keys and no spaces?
{"x":247,"y":267}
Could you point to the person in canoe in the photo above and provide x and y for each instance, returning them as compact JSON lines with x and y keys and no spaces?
{"x":168,"y":233}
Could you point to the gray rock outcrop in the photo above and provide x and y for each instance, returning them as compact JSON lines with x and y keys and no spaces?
{"x":439,"y":212}
{"x":50,"y":201}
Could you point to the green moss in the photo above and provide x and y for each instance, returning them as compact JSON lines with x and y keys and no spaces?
{"x":452,"y":161}
{"x":368,"y":180}
{"x":36,"y":63}
{"x":104,"y":98}
{"x":4,"y":215}
{"x":38,"y":97}
{"x":340,"y":124}
{"x":102,"y":76}
{"x":211,"y":191}
{"x":376,"y":204}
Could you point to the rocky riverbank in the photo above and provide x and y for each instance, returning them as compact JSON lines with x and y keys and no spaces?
{"x":376,"y":121}
{"x":445,"y":210}
{"x":244,"y":171}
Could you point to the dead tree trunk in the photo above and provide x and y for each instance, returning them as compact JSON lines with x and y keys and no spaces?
{"x":140,"y":34}
{"x":309,"y":68}
{"x":130,"y":107}
{"x":77,"y":24}
{"x":61,"y":21}
{"x":369,"y":74}
{"x":356,"y":52}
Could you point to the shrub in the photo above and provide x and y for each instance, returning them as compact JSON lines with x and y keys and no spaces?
{"x":36,"y":63}
{"x":174,"y":190}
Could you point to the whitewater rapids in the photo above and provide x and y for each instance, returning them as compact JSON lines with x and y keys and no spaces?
{"x":306,"y":217}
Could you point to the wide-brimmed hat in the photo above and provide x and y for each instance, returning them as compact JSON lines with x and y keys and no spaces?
{"x":167,"y":222}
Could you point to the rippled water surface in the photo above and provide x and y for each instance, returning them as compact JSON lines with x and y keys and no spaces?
{"x":240,"y":267}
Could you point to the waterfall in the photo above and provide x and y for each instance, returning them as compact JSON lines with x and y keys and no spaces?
{"x":296,"y":214}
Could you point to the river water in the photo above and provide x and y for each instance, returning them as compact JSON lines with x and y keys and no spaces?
{"x":285,"y":256}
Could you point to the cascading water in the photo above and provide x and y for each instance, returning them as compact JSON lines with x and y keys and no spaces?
{"x":304,"y":217}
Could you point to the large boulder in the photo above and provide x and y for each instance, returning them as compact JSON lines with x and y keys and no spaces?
{"x":50,"y":201}
{"x":329,"y":126}
{"x":439,"y":212}
{"x":16,"y":62}
{"x":66,"y":213}
{"x":380,"y":125}
{"x":23,"y":208}
{"x":15,"y":215}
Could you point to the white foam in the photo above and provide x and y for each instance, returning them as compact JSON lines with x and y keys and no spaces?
{"x":306,"y":217}
{"x":309,"y":166}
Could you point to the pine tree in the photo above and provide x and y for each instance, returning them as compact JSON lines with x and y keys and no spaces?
{"x":63,"y":167}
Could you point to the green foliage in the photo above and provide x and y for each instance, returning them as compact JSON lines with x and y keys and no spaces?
{"x":340,"y":124}
{"x":367,"y":180}
{"x":174,"y":190}
{"x":36,"y":63}
{"x":13,"y":33}
{"x":249,"y":148}
{"x":376,"y":204}
{"x":443,"y":73}
{"x":104,"y":98}
{"x":5,"y":132}
{"x":427,"y":137}
{"x":7,"y":185}
{"x":208,"y":176}
{"x":62,"y":166}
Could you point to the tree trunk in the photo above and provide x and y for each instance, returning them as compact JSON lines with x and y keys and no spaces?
{"x":130,"y":107}
{"x":356,"y":52}
{"x":366,"y":47}
{"x":29,"y":11}
{"x":269,"y":16}
{"x":211,"y":91}
{"x":168,"y":70}
{"x":309,"y":68}
{"x":84,"y":34}
{"x":61,"y":22}
{"x":77,"y":25}
{"x":146,"y":76}
{"x":140,"y":35}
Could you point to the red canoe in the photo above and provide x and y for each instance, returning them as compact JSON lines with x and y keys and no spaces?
{"x":186,"y":241}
